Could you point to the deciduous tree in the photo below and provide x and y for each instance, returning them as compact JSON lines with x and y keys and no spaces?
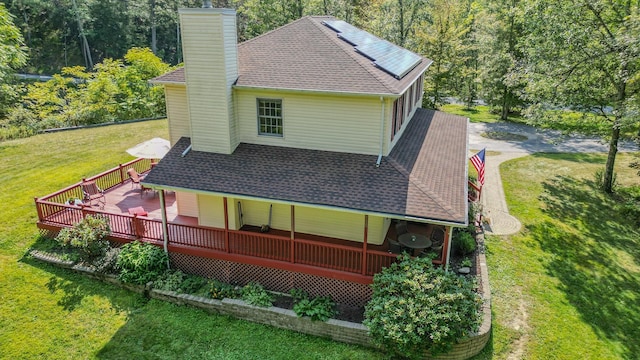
{"x":12,"y":56}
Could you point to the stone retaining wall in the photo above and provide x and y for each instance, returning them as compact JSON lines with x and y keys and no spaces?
{"x":338,"y":330}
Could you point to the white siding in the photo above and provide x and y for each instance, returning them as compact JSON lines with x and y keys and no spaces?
{"x":177,"y":112}
{"x":187,"y":204}
{"x":315,"y":121}
{"x":209,"y":75}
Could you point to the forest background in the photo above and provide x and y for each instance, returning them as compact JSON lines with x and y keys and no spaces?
{"x":547,"y":60}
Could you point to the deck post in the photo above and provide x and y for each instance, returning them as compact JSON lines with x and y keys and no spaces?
{"x":165,"y":227}
{"x":40,"y":217}
{"x":293,"y":234}
{"x":447,"y":246}
{"x":364,"y":245}
{"x":226,"y":224}
{"x":121,"y":174}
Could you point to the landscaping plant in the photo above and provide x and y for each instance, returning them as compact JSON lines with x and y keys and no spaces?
{"x":219,"y":290}
{"x":417,"y":308}
{"x":88,"y":236}
{"x":254,"y":294}
{"x":319,"y":308}
{"x":140,"y":262}
{"x":464,"y":243}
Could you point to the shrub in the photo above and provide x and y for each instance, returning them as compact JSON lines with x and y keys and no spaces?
{"x":254,"y":294}
{"x":464,"y":243}
{"x":416,"y":307}
{"x":170,"y":280}
{"x":88,"y":236}
{"x":219,"y":290}
{"x":140,"y":262}
{"x":320,"y":308}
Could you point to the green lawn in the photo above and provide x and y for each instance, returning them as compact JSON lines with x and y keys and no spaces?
{"x":567,"y":286}
{"x":479,"y":113}
{"x":53,"y":313}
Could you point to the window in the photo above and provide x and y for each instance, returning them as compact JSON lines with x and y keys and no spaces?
{"x":270,"y":117}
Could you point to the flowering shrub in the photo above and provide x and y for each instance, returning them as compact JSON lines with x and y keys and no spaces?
{"x":88,"y":236}
{"x":416,"y":308}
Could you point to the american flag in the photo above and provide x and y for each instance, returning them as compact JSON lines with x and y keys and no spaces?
{"x":478,"y":162}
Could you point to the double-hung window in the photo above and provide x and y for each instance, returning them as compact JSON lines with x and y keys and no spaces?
{"x":270,"y":117}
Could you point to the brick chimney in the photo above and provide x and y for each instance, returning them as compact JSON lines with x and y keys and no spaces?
{"x":209,"y":44}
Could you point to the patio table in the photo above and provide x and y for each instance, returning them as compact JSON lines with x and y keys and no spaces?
{"x":414,"y":241}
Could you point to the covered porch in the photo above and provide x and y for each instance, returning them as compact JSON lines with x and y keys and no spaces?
{"x":288,"y":250}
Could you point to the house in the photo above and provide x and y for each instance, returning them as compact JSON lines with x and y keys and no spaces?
{"x":298,"y":153}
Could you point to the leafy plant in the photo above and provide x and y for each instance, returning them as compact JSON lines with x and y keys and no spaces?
{"x":254,"y":294}
{"x":416,"y":307}
{"x":88,"y":236}
{"x":464,"y":243}
{"x":466,"y":262}
{"x":298,"y":294}
{"x":219,"y":290}
{"x":319,"y":308}
{"x":170,"y":280}
{"x":140,"y":262}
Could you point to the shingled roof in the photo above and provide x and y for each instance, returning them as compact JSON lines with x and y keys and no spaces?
{"x":307,"y":55}
{"x":424,"y":176}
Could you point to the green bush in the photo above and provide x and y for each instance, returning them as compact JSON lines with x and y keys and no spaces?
{"x":464,"y":243}
{"x":416,"y":308}
{"x":140,"y":262}
{"x":319,"y":308}
{"x":88,"y":236}
{"x":254,"y":294}
{"x":219,"y":290}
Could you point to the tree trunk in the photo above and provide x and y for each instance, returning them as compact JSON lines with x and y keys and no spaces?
{"x":607,"y":183}
{"x":504,"y":112}
{"x":152,"y":16}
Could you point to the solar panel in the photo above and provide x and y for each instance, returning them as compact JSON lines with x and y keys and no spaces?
{"x":391,"y":58}
{"x":358,"y":37}
{"x":377,"y":49}
{"x":340,"y":26}
{"x":399,"y":63}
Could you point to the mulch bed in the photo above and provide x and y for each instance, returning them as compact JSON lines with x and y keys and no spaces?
{"x":345,"y":312}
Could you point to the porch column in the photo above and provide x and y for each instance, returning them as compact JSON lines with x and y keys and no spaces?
{"x":165,"y":228}
{"x":364,"y":245}
{"x":226,"y":224}
{"x":293,"y":235}
{"x":447,"y":246}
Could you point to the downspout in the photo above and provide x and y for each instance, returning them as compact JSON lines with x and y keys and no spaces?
{"x":381,"y":132}
{"x":186,"y":151}
{"x":165,"y":228}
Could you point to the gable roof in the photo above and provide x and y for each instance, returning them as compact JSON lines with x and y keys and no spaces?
{"x":424,"y":176}
{"x":307,"y":55}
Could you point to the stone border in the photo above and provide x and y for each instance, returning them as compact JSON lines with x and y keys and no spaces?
{"x":337,"y":330}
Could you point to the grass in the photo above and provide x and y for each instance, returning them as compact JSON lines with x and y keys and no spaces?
{"x":566,"y":286}
{"x":53,"y":313}
{"x":479,"y":113}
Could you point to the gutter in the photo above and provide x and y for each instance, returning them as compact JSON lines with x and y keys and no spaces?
{"x":382,"y":132}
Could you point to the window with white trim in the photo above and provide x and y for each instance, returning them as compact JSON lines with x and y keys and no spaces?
{"x":269,"y":117}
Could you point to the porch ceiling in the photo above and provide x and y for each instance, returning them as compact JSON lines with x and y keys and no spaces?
{"x":423,"y":177}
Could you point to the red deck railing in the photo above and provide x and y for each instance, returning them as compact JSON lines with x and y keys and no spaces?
{"x":244,"y":245}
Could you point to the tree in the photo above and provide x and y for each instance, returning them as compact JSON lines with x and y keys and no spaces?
{"x":501,"y":26}
{"x":585,"y":55}
{"x":12,"y":56}
{"x":395,"y":20}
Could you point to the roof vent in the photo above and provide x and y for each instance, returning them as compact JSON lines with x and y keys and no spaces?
{"x":206,"y":4}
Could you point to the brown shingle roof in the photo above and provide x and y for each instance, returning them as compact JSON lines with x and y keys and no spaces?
{"x":423,"y":177}
{"x":307,"y":55}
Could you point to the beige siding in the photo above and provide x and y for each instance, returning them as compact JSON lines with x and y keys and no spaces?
{"x":211,"y":211}
{"x":209,"y":77}
{"x":257,"y":213}
{"x":177,"y":112}
{"x":315,"y":121}
{"x":187,"y":204}
{"x":332,"y":223}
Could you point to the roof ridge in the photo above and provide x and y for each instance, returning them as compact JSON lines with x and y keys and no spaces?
{"x":277,"y":29}
{"x":354,"y":56}
{"x":421,"y":187}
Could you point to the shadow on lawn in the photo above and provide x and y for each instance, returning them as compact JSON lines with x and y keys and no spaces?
{"x":75,"y":287}
{"x":596,"y":257}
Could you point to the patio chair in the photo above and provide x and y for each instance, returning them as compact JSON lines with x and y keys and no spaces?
{"x":91,"y":192}
{"x":402,"y":228}
{"x":395,"y":247}
{"x":437,"y":238}
{"x":136,"y":179}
